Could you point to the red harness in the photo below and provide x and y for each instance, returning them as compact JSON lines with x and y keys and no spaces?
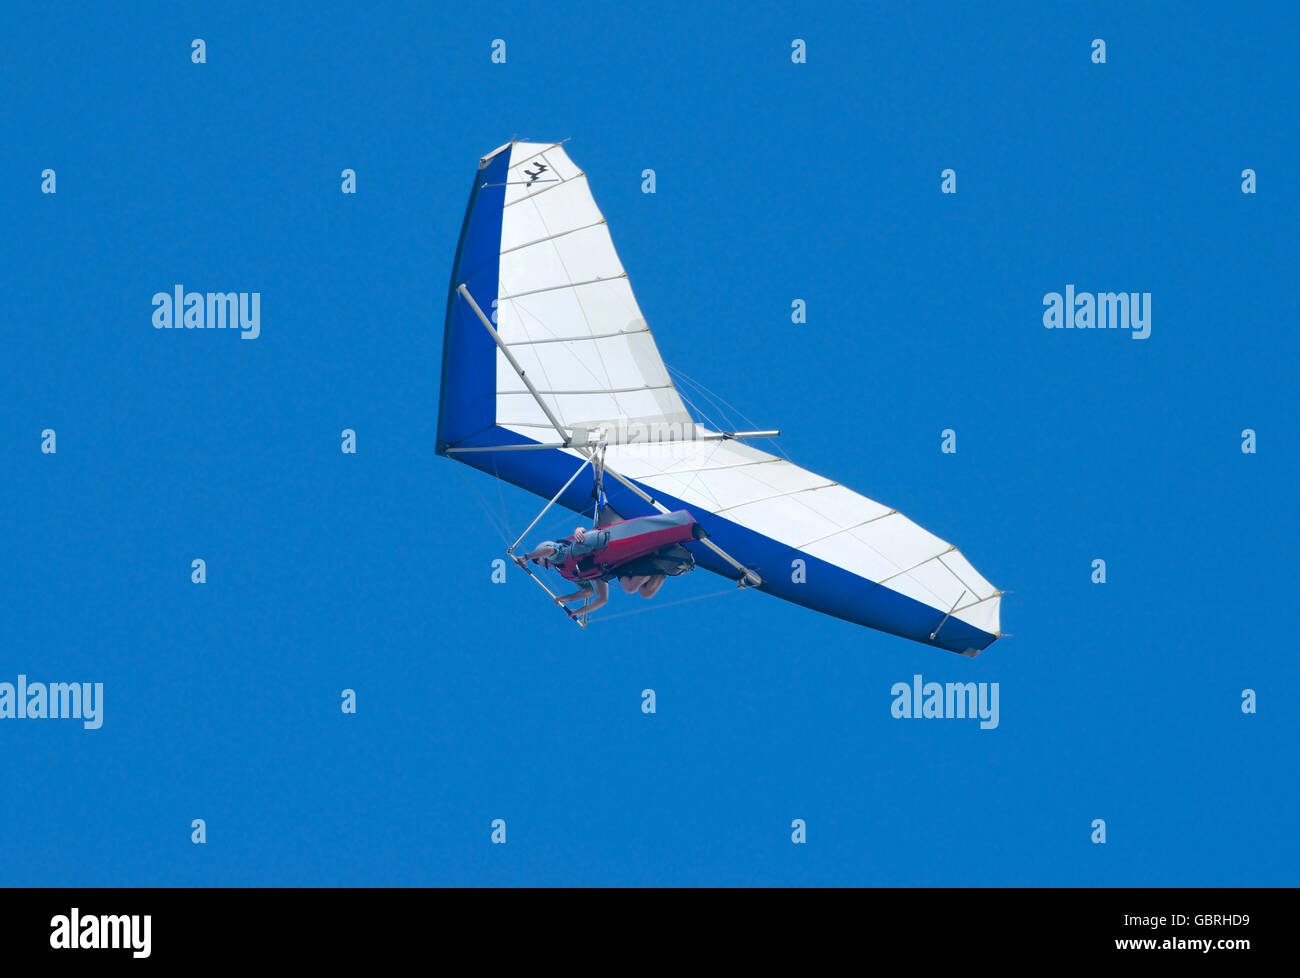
{"x":629,"y":540}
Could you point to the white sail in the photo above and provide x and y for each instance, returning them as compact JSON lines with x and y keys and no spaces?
{"x":565,"y":307}
{"x":817,"y":516}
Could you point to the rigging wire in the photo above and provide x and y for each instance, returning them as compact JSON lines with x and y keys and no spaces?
{"x":501,"y":496}
{"x":499,"y":525}
{"x":719,"y":403}
{"x":725,"y":425}
{"x":661,"y":607}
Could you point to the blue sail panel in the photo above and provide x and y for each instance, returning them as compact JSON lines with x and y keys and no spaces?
{"x":468,"y":400}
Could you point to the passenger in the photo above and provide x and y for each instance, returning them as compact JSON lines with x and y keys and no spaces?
{"x":594,"y":593}
{"x":553,"y":554}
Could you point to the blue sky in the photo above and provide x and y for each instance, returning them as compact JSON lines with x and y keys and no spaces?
{"x":775,"y":181}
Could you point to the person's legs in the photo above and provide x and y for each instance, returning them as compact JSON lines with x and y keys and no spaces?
{"x":584,"y":593}
{"x":602,"y":595}
{"x":632,"y":583}
{"x":651,"y":586}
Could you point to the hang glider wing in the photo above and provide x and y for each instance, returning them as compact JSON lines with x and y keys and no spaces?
{"x":544,"y":345}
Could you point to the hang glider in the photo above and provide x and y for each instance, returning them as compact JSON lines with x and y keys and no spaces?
{"x":548,"y":364}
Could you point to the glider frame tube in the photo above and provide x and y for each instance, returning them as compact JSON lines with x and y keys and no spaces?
{"x":511,"y":550}
{"x":581,"y":622}
{"x":748,"y":577}
{"x":513,"y":362}
{"x":707,"y":436}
